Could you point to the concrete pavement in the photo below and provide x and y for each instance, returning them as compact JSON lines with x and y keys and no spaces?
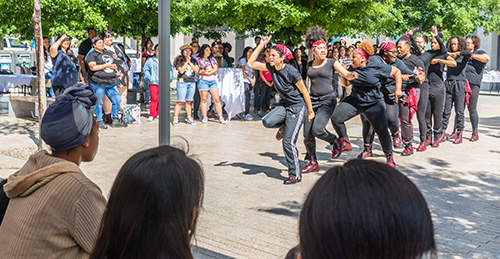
{"x":249,"y":213}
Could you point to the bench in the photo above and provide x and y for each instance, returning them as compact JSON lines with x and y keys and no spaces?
{"x":25,"y":106}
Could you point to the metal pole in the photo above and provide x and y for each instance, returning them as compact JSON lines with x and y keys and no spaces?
{"x":164,"y":70}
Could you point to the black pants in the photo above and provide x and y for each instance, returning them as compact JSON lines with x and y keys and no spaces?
{"x":248,"y":96}
{"x":291,"y":119}
{"x":423,"y":102}
{"x":196,"y":102}
{"x":323,"y":107}
{"x":455,"y":97}
{"x":375,"y":114}
{"x":473,"y":100}
{"x":58,"y":90}
{"x":392,"y":112}
{"x":265,"y":96}
{"x":434,"y":112}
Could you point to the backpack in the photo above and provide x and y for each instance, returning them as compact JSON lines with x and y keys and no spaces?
{"x":4,"y":200}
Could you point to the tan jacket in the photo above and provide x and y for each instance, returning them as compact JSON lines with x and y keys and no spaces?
{"x":55,"y":211}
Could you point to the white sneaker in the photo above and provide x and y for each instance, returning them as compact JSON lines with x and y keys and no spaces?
{"x":204,"y":120}
{"x":175,"y":121}
{"x":150,"y":119}
{"x":190,"y":120}
{"x":222,"y":120}
{"x":248,"y":117}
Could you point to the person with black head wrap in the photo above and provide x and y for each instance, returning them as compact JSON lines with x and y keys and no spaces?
{"x":54,"y":209}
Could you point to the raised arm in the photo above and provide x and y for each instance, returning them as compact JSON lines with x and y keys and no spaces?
{"x":484,"y":58}
{"x":55,"y":47}
{"x":396,"y":74}
{"x":343,"y":72}
{"x":252,"y":61}
{"x":435,"y":34}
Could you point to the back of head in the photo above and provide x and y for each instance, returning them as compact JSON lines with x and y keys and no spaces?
{"x":365,"y":209}
{"x":67,"y":122}
{"x":152,"y":207}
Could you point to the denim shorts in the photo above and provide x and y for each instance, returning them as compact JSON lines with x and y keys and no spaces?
{"x":185,"y":91}
{"x":205,"y":85}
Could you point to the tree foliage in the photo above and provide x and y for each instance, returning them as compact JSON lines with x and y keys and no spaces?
{"x":284,"y":19}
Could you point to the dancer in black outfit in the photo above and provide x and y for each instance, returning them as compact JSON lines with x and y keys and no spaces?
{"x":289,"y":115}
{"x":367,"y":98}
{"x":455,"y":86}
{"x":408,"y":104}
{"x":474,"y":74}
{"x":424,"y":88}
{"x":434,"y":112}
{"x":387,"y":55}
{"x":323,"y":92}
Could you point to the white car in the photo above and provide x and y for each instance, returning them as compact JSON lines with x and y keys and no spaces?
{"x":14,"y":44}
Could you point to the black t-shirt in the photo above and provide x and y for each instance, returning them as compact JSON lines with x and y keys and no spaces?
{"x":366,"y":88}
{"x":435,"y":73}
{"x":85,"y":47}
{"x":474,"y":70}
{"x":389,"y":83}
{"x":458,"y":72}
{"x":411,"y":63}
{"x":189,"y":75}
{"x":105,"y":76}
{"x":285,"y":81}
{"x":322,"y":80}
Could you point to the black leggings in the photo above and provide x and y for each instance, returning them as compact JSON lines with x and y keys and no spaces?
{"x":434,"y":112}
{"x":423,"y":102}
{"x":196,"y":102}
{"x":392,"y":110}
{"x":316,"y":128}
{"x":375,"y":114}
{"x":473,"y":100}
{"x":248,"y":96}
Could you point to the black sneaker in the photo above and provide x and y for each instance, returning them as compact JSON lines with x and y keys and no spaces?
{"x":102,"y":125}
{"x":118,"y":124}
{"x":292,"y":180}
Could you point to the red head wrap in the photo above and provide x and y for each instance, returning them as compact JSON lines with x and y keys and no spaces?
{"x":362,"y":52}
{"x":387,"y":45}
{"x":286,"y":52}
{"x":317,"y":43}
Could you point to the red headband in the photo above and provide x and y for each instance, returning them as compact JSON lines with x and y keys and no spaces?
{"x":362,"y":52}
{"x":286,"y":52}
{"x":317,"y":43}
{"x":387,"y":45}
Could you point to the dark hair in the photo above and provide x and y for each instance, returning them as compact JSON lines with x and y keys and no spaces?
{"x":180,"y":60}
{"x":96,"y":39}
{"x":314,"y":34}
{"x":345,"y":49}
{"x":45,"y":50}
{"x":146,"y":43}
{"x":365,"y":209}
{"x":202,"y":51}
{"x":475,"y":40}
{"x":257,"y":37}
{"x":156,"y":46}
{"x":227,"y":45}
{"x":423,"y":36}
{"x":413,"y":45}
{"x":105,"y":34}
{"x":216,"y":43}
{"x":295,"y":52}
{"x":462,"y":45}
{"x":91,"y":28}
{"x":245,"y":51}
{"x":152,"y":207}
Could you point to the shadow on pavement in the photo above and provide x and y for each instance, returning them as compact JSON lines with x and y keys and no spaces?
{"x":275,"y":157}
{"x":287,"y":208}
{"x":253,"y":169}
{"x":464,"y":206}
{"x":202,"y":253}
{"x":7,"y":128}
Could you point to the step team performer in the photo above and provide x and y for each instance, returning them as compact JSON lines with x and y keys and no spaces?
{"x":323,"y":92}
{"x":367,"y":98}
{"x":289,"y":115}
{"x":388,"y":55}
